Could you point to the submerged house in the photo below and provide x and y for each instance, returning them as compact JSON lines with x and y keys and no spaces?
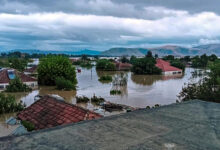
{"x":167,"y":69}
{"x":123,"y":66}
{"x":50,"y":112}
{"x":31,"y":71}
{"x":6,"y":75}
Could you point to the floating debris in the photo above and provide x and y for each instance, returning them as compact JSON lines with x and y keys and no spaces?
{"x":11,"y":121}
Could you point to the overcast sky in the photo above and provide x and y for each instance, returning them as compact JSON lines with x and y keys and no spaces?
{"x":103,"y":24}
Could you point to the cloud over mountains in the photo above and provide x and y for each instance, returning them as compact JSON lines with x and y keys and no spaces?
{"x":102,"y":24}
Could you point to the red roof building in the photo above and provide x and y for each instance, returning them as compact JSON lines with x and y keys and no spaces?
{"x":123,"y":66}
{"x":31,"y":71}
{"x":5,"y":78}
{"x":166,"y":68}
{"x":50,"y":112}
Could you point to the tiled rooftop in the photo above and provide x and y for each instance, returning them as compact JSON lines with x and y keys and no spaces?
{"x":24,"y":78}
{"x":184,"y":126}
{"x":165,"y":66}
{"x":31,"y":70}
{"x":49,"y":112}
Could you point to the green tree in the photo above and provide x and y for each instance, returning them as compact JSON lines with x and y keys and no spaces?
{"x":145,"y":66}
{"x":8,"y":104}
{"x":124,"y":59}
{"x":63,"y":84}
{"x":149,"y":54}
{"x":177,"y":63}
{"x":18,"y":63}
{"x":104,"y":64}
{"x":52,"y":67}
{"x":16,"y":85}
{"x":133,"y":59}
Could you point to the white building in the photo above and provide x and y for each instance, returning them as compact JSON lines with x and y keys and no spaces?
{"x":9,"y":74}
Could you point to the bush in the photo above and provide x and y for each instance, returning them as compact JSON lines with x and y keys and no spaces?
{"x":106,"y":65}
{"x":63,"y":84}
{"x":115,"y":92}
{"x":97,"y":100}
{"x":8,"y":104}
{"x":52,"y":67}
{"x":105,"y":78}
{"x":28,"y":125}
{"x":82,"y":99}
{"x":16,"y":85}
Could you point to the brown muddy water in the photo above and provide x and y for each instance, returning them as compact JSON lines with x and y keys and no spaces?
{"x":140,"y":91}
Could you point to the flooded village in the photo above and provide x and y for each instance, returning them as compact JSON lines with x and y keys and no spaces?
{"x":124,"y":92}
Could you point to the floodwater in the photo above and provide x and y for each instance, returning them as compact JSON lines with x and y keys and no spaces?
{"x":138,"y":91}
{"x":141,"y":90}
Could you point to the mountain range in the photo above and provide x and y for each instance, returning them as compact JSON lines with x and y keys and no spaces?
{"x":165,"y":50}
{"x":161,"y":51}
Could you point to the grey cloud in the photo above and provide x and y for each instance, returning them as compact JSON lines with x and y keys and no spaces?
{"x":118,"y":8}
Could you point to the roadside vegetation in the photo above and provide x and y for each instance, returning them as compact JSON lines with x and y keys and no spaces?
{"x":8,"y":104}
{"x":16,"y":85}
{"x":54,"y":68}
{"x":207,"y":89}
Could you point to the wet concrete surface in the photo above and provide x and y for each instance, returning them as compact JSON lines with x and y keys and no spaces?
{"x":189,"y":125}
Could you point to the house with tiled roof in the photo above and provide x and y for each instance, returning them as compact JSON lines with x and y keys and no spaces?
{"x":6,"y":75}
{"x":166,"y":68}
{"x":31,"y":71}
{"x":50,"y":112}
{"x":122,"y":66}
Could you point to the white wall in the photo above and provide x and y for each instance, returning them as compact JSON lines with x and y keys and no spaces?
{"x":172,"y":72}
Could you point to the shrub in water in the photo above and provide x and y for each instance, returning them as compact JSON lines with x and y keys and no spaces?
{"x":115,"y":92}
{"x":105,"y":78}
{"x":82,"y":99}
{"x":63,"y":84}
{"x":97,"y":100}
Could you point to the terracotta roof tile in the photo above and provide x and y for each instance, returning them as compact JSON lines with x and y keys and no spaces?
{"x":165,"y":66}
{"x":49,"y":112}
{"x":24,"y":78}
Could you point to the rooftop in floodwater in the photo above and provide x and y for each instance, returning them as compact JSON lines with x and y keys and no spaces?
{"x":189,"y":125}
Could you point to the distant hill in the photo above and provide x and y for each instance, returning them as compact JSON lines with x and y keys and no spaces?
{"x":165,"y":50}
{"x":161,"y":51}
{"x":86,"y":52}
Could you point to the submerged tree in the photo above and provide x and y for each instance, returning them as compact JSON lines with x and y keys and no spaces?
{"x":207,"y":89}
{"x":52,"y":67}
